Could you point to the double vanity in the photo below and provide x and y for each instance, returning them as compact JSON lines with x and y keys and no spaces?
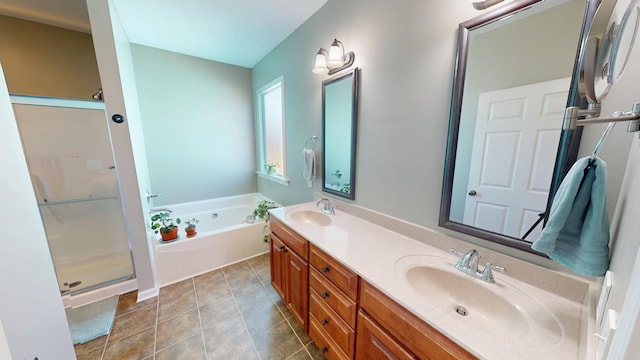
{"x":363,"y":291}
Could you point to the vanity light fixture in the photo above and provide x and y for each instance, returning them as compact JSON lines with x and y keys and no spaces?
{"x":334,"y":60}
{"x":484,"y":4}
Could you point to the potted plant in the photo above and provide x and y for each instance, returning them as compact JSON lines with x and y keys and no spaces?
{"x":163,"y":223}
{"x":270,"y":169}
{"x":261,"y":212}
{"x":191,"y":227}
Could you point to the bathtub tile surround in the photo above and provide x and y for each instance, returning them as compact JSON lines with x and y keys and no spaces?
{"x":229,"y":313}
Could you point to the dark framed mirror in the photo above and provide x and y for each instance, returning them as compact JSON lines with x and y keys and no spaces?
{"x":339,"y":125}
{"x":517,"y":69}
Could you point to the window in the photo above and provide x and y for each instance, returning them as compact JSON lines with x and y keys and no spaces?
{"x":271,"y":127}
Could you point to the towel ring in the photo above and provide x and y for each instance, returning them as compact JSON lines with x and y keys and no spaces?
{"x":313,"y":141}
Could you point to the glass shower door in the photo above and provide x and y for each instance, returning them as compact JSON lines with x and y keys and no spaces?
{"x":68,"y":149}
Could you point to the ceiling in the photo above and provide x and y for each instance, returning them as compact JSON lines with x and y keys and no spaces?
{"x":238,"y":32}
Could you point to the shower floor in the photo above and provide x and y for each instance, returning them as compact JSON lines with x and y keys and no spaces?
{"x":93,"y":271}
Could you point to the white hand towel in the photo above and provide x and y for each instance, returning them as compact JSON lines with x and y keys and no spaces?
{"x":309,"y":168}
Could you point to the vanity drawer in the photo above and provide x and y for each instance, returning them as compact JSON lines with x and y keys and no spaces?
{"x":328,"y":347}
{"x":294,"y":241}
{"x":333,"y":297}
{"x":416,"y":335}
{"x":333,"y":326}
{"x":337,"y":273}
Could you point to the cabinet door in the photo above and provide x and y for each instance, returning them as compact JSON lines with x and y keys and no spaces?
{"x":373,"y":343}
{"x":278,"y":273}
{"x":297,"y":273}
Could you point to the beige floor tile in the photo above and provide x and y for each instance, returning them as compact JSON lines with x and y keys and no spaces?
{"x":177,"y":289}
{"x":259,"y":260}
{"x":237,"y":267}
{"x":92,"y":355}
{"x":211,"y":276}
{"x":90,"y":346}
{"x":189,"y":349}
{"x":264,"y":273}
{"x":207,"y":291}
{"x":178,"y":329}
{"x":277,"y":342}
{"x":128,"y":302}
{"x":229,"y":340}
{"x":242,"y":279}
{"x":133,"y":322}
{"x":262,"y":317}
{"x":135,"y":347}
{"x":176,"y":305}
{"x":251,"y":296}
{"x":230,"y":304}
{"x":300,"y":355}
{"x":219,"y":310}
{"x":315,"y":353}
{"x":297,"y":328}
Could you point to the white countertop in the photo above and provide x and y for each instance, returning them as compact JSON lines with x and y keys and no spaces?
{"x":373,"y":252}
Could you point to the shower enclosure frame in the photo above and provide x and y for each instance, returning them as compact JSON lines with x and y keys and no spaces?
{"x":118,"y":281}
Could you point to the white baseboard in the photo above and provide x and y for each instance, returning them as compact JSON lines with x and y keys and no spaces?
{"x":148,"y":294}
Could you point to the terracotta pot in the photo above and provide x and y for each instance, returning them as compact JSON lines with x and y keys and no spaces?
{"x":191,"y":231}
{"x":171,"y":235}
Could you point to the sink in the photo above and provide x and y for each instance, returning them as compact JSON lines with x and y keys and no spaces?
{"x":310,"y":217}
{"x":499,"y":308}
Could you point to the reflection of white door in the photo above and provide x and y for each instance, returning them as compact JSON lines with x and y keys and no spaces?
{"x":514,"y":150}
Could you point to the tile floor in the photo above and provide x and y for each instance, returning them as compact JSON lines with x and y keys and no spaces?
{"x":230,"y":313}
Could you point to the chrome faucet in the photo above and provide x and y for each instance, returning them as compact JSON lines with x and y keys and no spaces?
{"x":327,"y":206}
{"x":151,"y":211}
{"x":468,"y":264}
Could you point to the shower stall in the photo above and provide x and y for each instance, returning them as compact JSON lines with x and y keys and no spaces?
{"x":73,"y":173}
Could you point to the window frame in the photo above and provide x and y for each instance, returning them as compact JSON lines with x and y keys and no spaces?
{"x":262,"y":136}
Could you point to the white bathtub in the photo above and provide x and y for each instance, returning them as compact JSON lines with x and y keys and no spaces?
{"x":223,"y":238}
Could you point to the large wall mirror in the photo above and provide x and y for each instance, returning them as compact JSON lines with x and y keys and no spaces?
{"x":339,"y":116}
{"x":506,"y":154}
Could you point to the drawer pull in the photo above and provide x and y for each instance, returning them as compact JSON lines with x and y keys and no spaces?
{"x":282,"y":248}
{"x":325,"y":321}
{"x":325,"y":269}
{"x":325,"y":295}
{"x":324,"y":349}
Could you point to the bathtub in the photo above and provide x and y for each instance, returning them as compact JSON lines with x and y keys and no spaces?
{"x":224,"y":237}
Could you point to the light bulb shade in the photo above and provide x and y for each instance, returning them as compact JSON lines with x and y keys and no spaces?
{"x":336,"y":55}
{"x":320,"y":67}
{"x":484,"y":4}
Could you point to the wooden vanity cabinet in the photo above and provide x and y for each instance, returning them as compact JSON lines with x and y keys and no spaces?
{"x":289,"y":254}
{"x":333,"y":295}
{"x":385,"y":328}
{"x":374,"y":343}
{"x":346,"y":317}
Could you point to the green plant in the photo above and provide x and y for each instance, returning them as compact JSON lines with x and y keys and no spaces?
{"x":191,"y":223}
{"x":270,"y":168}
{"x":162,"y":222}
{"x":261,"y":212}
{"x":346,"y":188}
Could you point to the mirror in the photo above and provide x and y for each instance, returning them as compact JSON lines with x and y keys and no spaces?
{"x":506,"y":153}
{"x":624,"y":40}
{"x":339,"y":118}
{"x":609,"y":41}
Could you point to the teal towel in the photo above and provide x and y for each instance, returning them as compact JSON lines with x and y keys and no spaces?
{"x":577,"y":233}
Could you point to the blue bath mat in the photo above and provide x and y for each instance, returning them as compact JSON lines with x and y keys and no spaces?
{"x":93,"y":320}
